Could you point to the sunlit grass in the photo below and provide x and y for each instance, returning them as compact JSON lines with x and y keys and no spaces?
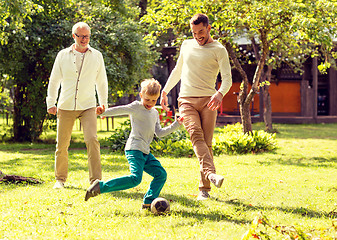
{"x":295,"y":186}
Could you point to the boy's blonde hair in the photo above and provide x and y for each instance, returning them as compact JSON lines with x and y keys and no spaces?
{"x":150,"y":87}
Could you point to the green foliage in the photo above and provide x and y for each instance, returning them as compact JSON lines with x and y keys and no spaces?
{"x":6,"y":102}
{"x":281,"y":31}
{"x":176,"y":144}
{"x":119,"y":136}
{"x":127,"y":56}
{"x":27,"y":59}
{"x":289,"y":25}
{"x":15,"y":12}
{"x":232,"y":140}
{"x":27,"y":53}
{"x":5,"y":133}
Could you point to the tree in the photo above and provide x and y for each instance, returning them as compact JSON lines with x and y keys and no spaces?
{"x":28,"y":53}
{"x":14,"y":12}
{"x":27,"y":58}
{"x":313,"y":30}
{"x":268,"y":23}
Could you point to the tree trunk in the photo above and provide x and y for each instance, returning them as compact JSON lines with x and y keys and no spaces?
{"x":260,"y":66}
{"x":29,"y":111}
{"x":143,"y":6}
{"x":246,"y":116}
{"x":244,"y":102}
{"x":267,"y":110}
{"x":20,"y":126}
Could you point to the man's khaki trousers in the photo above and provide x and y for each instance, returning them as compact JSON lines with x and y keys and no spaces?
{"x":65,"y":123}
{"x":199,"y":122}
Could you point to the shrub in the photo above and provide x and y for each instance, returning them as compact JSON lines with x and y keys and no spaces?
{"x":119,"y":136}
{"x":232,"y":140}
{"x":176,"y":144}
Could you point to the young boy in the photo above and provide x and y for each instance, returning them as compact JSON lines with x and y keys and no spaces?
{"x":144,"y":124}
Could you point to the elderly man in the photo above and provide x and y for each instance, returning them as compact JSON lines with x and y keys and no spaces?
{"x":197,"y":67}
{"x":79,"y":71}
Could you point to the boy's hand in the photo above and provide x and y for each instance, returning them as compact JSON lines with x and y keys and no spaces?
{"x":179,"y":119}
{"x":100,"y":110}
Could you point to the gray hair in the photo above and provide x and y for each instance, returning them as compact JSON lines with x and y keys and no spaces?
{"x":80,"y":25}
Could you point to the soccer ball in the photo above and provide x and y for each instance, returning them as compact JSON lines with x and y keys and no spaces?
{"x":160,"y":206}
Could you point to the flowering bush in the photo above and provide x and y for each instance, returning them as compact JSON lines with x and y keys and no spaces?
{"x":230,"y":140}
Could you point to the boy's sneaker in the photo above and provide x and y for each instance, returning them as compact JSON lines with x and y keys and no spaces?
{"x":58,"y":185}
{"x":93,"y":190}
{"x":203,"y":195}
{"x":217,"y":180}
{"x":146,"y":206}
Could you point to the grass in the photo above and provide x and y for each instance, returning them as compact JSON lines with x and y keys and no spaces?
{"x":295,"y":186}
{"x":103,"y":125}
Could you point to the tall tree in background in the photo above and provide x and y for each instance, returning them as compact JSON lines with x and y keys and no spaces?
{"x":27,"y":57}
{"x":27,"y":53}
{"x":313,"y":30}
{"x":14,"y":12}
{"x":271,"y":24}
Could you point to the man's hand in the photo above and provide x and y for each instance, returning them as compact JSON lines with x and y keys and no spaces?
{"x":52,"y":110}
{"x":100,"y":110}
{"x":164,"y":101}
{"x":215,"y":101}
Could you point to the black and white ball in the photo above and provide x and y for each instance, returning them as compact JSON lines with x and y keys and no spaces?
{"x":160,"y":206}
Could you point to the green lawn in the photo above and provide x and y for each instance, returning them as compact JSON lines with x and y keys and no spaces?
{"x":294,"y":187}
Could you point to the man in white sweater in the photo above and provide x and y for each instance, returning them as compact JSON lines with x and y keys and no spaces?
{"x":79,"y":71}
{"x":197,"y":67}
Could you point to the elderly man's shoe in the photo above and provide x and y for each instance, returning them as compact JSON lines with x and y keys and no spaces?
{"x":58,"y":185}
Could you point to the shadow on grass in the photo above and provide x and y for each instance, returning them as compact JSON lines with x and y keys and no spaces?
{"x":195,"y":213}
{"x":197,"y":208}
{"x":44,"y":160}
{"x":303,"y":162}
{"x":212,"y":216}
{"x":188,"y":202}
{"x":304,"y":212}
